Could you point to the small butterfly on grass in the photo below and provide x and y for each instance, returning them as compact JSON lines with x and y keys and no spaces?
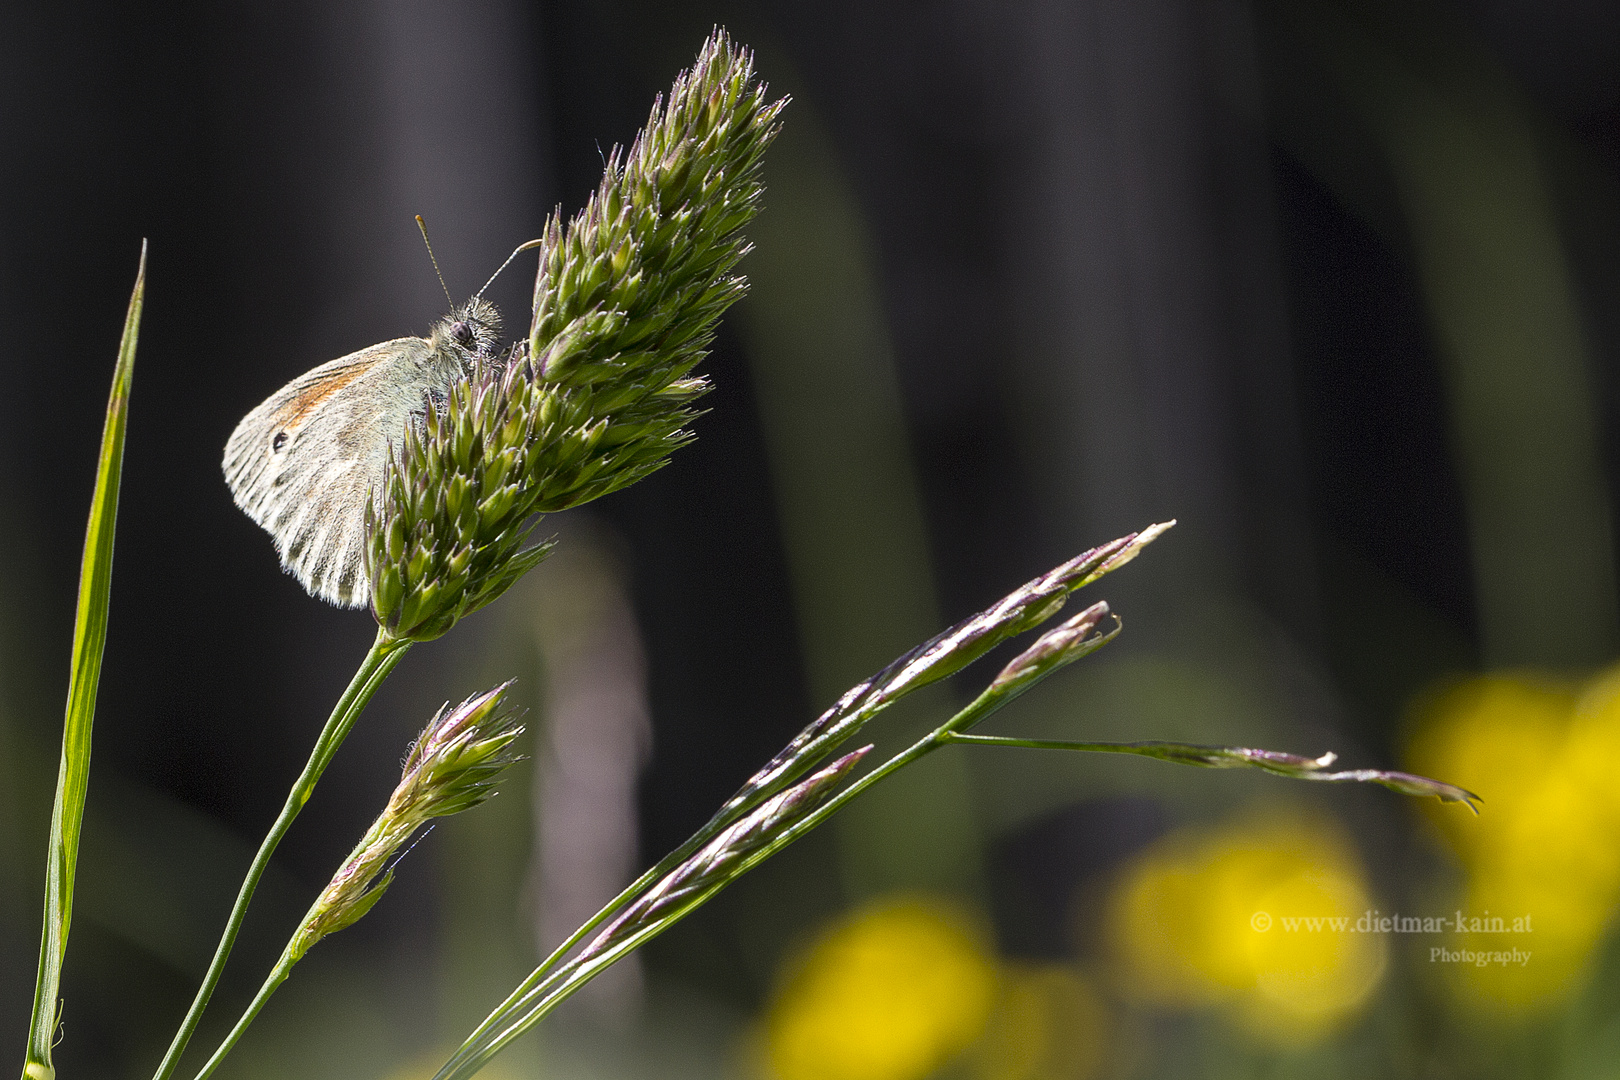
{"x":304,"y":463}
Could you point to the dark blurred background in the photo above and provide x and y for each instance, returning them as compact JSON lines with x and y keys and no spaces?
{"x":1336,"y":283}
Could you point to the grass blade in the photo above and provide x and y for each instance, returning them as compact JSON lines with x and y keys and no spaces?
{"x":89,"y":638}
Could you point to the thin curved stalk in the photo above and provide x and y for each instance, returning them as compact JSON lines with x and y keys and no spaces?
{"x":385,"y":653}
{"x":452,"y":767}
{"x":277,"y":976}
{"x":547,"y":987}
{"x":543,"y":991}
{"x":937,"y":658}
{"x":1293,"y":766}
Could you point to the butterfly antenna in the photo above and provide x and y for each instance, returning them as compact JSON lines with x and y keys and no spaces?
{"x":422,"y":225}
{"x":520,"y":249}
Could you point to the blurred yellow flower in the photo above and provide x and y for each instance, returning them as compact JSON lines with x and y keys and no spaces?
{"x":1049,"y":1023}
{"x":892,"y":992}
{"x":1259,"y":916}
{"x":1542,"y":757}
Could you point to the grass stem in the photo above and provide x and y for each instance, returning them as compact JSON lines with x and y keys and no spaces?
{"x":277,"y":976}
{"x":385,"y":653}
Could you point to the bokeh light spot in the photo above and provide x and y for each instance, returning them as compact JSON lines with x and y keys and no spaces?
{"x":890,"y":993}
{"x":1049,"y":1023}
{"x":1542,"y":757}
{"x":1258,"y":916}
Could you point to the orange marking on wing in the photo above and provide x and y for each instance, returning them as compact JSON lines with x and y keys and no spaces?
{"x":310,"y":398}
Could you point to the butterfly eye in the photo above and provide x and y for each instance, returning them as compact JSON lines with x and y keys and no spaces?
{"x":279,"y":441}
{"x":462,"y":332}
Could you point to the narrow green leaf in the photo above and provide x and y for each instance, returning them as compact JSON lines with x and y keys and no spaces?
{"x":89,"y":638}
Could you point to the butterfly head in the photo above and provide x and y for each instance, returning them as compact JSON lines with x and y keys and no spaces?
{"x":472,"y":331}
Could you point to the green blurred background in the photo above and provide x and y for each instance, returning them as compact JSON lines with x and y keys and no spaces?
{"x":1334,"y":282}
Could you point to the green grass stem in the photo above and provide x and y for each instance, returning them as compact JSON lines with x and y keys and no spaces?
{"x":277,"y":976}
{"x":1293,"y":766}
{"x":544,"y":990}
{"x":386,"y":652}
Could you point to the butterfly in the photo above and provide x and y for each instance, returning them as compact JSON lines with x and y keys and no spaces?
{"x":304,"y":463}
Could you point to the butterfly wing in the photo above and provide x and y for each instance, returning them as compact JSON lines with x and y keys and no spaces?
{"x":303,"y":463}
